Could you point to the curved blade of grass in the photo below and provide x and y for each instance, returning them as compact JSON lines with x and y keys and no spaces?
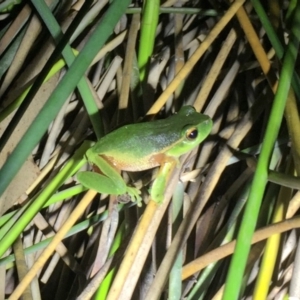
{"x":62,"y":91}
{"x":238,"y":262}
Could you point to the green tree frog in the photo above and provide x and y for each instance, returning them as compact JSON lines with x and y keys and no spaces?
{"x":143,"y":146}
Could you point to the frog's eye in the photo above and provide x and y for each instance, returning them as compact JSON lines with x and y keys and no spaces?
{"x":191,"y":134}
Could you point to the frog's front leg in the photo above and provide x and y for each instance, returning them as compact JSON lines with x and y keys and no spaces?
{"x":160,"y":183}
{"x":111,"y":182}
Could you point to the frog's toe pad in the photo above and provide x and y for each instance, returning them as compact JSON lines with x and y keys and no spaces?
{"x":135,"y":195}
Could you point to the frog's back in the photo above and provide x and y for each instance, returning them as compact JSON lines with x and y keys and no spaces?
{"x":146,"y":144}
{"x":140,"y":139}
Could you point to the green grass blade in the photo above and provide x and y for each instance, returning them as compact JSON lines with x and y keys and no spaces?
{"x":72,"y":166}
{"x":147,"y":40}
{"x":275,"y":41}
{"x":69,"y":57}
{"x":239,"y":260}
{"x":62,"y":91}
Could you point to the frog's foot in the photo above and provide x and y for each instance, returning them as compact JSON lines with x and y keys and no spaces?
{"x":134,"y":193}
